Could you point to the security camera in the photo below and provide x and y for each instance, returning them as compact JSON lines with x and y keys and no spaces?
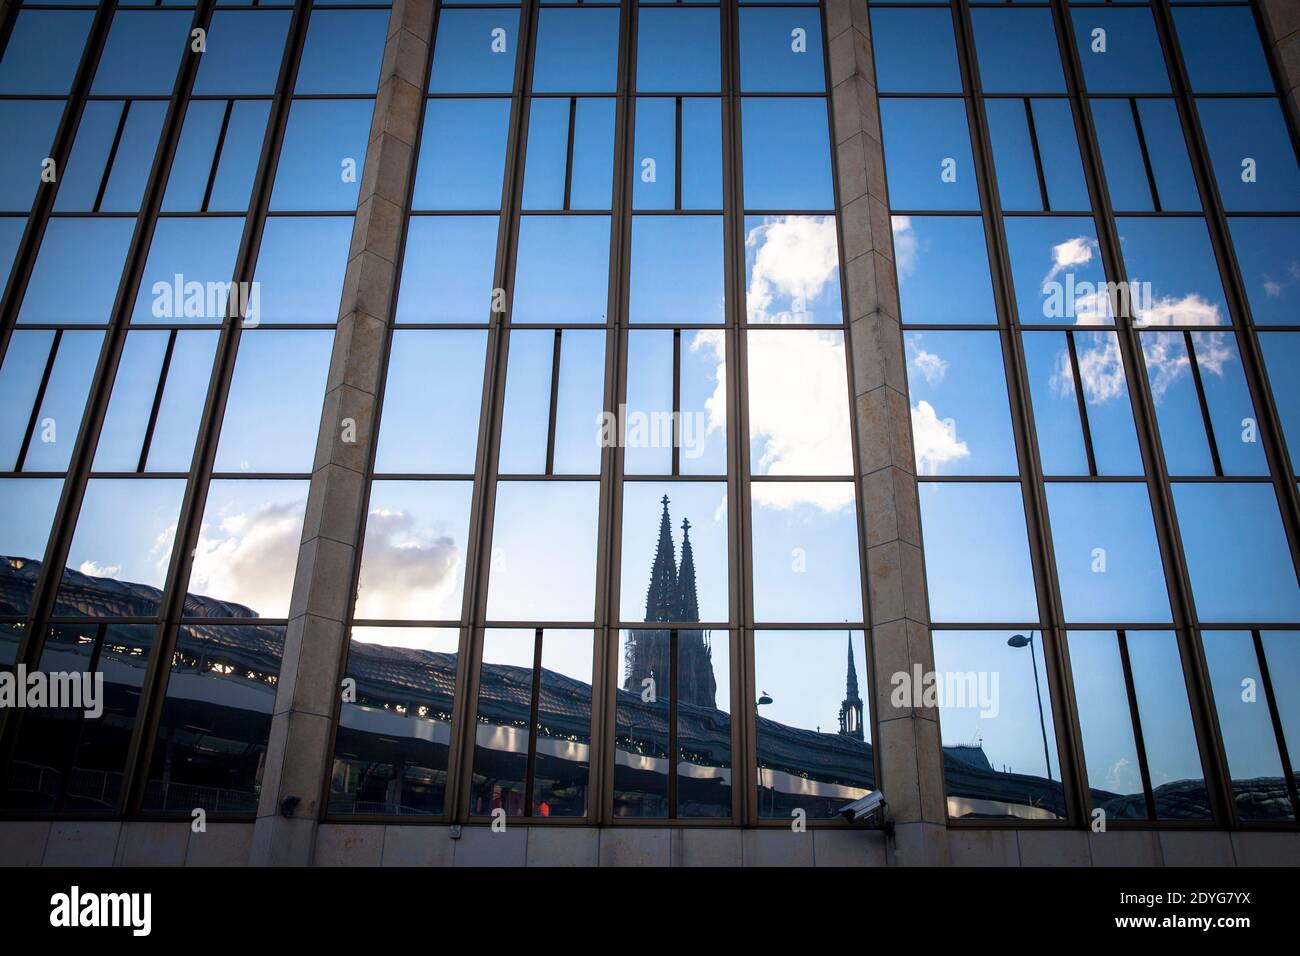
{"x":870,"y":811}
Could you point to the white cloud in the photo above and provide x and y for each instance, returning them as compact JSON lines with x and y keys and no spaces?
{"x":1191,"y":309}
{"x":249,"y":558}
{"x":927,"y":364}
{"x":795,"y":257}
{"x":827,"y":496}
{"x":407,"y":573}
{"x":1101,"y":369}
{"x":1073,"y":252}
{"x":935,"y":440}
{"x":906,"y":247}
{"x":96,"y":570}
{"x":1167,"y":360}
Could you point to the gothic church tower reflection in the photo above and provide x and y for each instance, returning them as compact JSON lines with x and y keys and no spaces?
{"x":671,"y":597}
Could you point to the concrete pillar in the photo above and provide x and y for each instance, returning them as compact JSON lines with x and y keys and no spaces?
{"x":908,"y":755}
{"x":298,"y":757}
{"x":1282,"y":23}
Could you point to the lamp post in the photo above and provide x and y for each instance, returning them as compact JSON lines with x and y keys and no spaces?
{"x":1019,"y":640}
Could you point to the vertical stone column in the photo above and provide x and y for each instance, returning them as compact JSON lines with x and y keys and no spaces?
{"x":298,"y":756}
{"x":1282,"y":20}
{"x":907,"y":750}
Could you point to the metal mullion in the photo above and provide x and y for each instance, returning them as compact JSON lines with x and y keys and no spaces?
{"x":483,"y":501}
{"x":1038,"y":156}
{"x":672,"y":724}
{"x":1070,"y":759}
{"x":530,"y":774}
{"x":1082,"y":404}
{"x":568,"y":155}
{"x":1146,"y":155}
{"x":80,"y":463}
{"x":1288,"y":772}
{"x":610,"y":532}
{"x":740,"y":608}
{"x":157,"y":400}
{"x":1135,"y":719}
{"x":552,"y":424}
{"x":1159,"y":487}
{"x":216,"y":155}
{"x":1203,"y":404}
{"x":112,"y":155}
{"x":172,"y":605}
{"x":677,"y":156}
{"x":677,"y":404}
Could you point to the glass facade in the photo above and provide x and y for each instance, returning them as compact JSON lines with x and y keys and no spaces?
{"x":612,"y":565}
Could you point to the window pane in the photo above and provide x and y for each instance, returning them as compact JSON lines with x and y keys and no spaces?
{"x":151,"y":362}
{"x":323,"y":155}
{"x":786,"y":154}
{"x":664,"y":519}
{"x":1251,"y":151}
{"x":29,"y":505}
{"x":1060,"y":416}
{"x":544,"y":551}
{"x":942,"y":264}
{"x":776,"y":59}
{"x":1174,"y":762}
{"x":342,"y":51}
{"x":961,"y":418}
{"x":562,"y":269}
{"x":216,"y":719}
{"x":1246,"y":726}
{"x":1186,"y":395}
{"x":1268,"y":255}
{"x":805,"y":552}
{"x":1282,"y":654}
{"x":563,"y":725}
{"x":462,"y":154}
{"x":814,"y":729}
{"x":284,"y":371}
{"x":235,"y":161}
{"x":578,"y":403}
{"x":117,"y":568}
{"x":642,"y":720}
{"x":30,"y":126}
{"x":448,"y":269}
{"x":413,"y":559}
{"x":554,"y":179}
{"x":1237,"y":554}
{"x":798,"y":403}
{"x":977,"y":552}
{"x":1222,"y":50}
{"x":54,"y":430}
{"x":677,"y":50}
{"x":656,"y":147}
{"x":1172,"y":271}
{"x":1107,"y":560}
{"x":1105,"y":723}
{"x":43,"y":50}
{"x":390,"y":755}
{"x":1142,"y":148}
{"x":475,"y":52}
{"x":502,"y":727}
{"x":300,"y":269}
{"x":1281,"y":358}
{"x":1057,"y":269}
{"x":927,"y":154}
{"x":248,"y":548}
{"x":999,"y":739}
{"x":677,"y":269}
{"x":142,"y":52}
{"x":431,"y":402}
{"x":1017,"y":51}
{"x":1027,"y":133}
{"x":915,"y":51}
{"x":647,"y":427}
{"x":577,"y":51}
{"x":91,"y":249}
{"x":243,"y":52}
{"x":188,"y":273}
{"x":1125,"y":57}
{"x":792,"y":270}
